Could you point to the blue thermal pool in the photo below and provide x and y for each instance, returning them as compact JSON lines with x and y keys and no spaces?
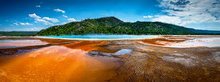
{"x":108,"y":37}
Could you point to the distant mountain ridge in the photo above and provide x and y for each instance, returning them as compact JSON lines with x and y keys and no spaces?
{"x":112,"y":25}
{"x":18,"y":33}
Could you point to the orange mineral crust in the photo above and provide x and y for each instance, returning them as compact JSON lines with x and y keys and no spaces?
{"x":55,"y":41}
{"x":57,"y":64}
{"x":165,"y":40}
{"x":85,"y":45}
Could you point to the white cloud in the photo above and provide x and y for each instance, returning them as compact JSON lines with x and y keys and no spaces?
{"x":44,"y":20}
{"x":168,"y":19}
{"x":54,"y":20}
{"x":21,"y":23}
{"x":183,"y":12}
{"x":71,"y":19}
{"x":34,"y":16}
{"x":38,"y":6}
{"x":35,"y":29}
{"x":59,"y":10}
{"x":23,"y":29}
{"x":147,"y":16}
{"x":64,"y":23}
{"x":25,"y":23}
{"x":16,"y":23}
{"x":65,"y":16}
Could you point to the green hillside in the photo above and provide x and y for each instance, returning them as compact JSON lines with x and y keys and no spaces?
{"x":112,"y":25}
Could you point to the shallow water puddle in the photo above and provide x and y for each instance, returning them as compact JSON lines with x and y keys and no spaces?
{"x":123,"y":52}
{"x":118,"y":53}
{"x":57,"y":64}
{"x":4,"y":44}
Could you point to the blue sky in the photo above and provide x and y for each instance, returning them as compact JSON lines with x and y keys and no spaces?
{"x":34,"y":15}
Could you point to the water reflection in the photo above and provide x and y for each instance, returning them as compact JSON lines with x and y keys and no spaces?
{"x":85,"y":45}
{"x":4,"y":44}
{"x":58,"y":64}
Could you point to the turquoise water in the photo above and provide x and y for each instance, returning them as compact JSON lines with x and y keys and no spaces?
{"x":103,"y":36}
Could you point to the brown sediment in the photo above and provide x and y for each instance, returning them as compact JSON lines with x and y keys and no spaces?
{"x":145,"y":65}
{"x":15,"y":51}
{"x":90,"y":46}
{"x":84,"y":45}
{"x":106,"y":50}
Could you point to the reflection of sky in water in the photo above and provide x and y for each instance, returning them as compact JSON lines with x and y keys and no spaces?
{"x":6,"y":41}
{"x":57,"y":64}
{"x":103,"y":36}
{"x":123,"y":52}
{"x":19,"y":43}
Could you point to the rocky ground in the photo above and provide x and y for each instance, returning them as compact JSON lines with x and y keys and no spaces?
{"x":153,"y":63}
{"x":142,"y":60}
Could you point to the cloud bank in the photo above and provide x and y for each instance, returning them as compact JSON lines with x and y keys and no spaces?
{"x":25,"y":23}
{"x":71,"y":19}
{"x":44,"y":20}
{"x":59,"y":10}
{"x":21,"y":23}
{"x":183,"y":12}
{"x":147,"y":16}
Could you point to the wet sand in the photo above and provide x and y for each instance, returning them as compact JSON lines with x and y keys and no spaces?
{"x":63,"y":60}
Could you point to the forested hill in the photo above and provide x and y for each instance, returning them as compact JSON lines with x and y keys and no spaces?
{"x":112,"y":25}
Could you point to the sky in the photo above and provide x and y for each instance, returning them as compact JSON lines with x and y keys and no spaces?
{"x":34,"y":15}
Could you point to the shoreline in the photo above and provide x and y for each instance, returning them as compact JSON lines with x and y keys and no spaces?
{"x":159,"y":36}
{"x":133,"y":59}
